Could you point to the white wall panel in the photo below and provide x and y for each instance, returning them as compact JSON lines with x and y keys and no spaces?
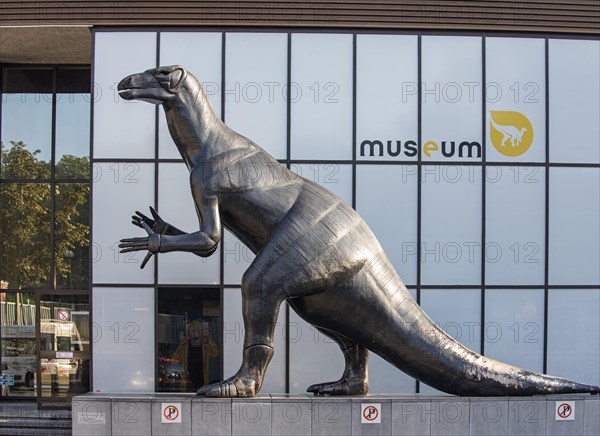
{"x":334,"y":177}
{"x":314,"y":357}
{"x":385,"y":378}
{"x":123,"y":335}
{"x":177,"y":207}
{"x":200,"y":54}
{"x":386,"y":94}
{"x":386,"y":198}
{"x":122,"y":129}
{"x":574,"y":68}
{"x":237,"y":258}
{"x":321,"y":96}
{"x":255,"y":81}
{"x":451,"y":95}
{"x":516,"y":84}
{"x":515,"y":225}
{"x":574,"y":249}
{"x":119,"y":190}
{"x":574,"y":334}
{"x":514,"y":332}
{"x":458,"y":313}
{"x":451,"y":225}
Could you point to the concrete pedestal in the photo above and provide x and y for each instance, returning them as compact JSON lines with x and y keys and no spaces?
{"x":281,"y":414}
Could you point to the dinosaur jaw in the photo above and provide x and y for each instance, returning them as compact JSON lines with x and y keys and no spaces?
{"x":143,"y":86}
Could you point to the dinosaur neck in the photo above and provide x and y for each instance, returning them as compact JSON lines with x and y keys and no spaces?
{"x":192,"y":121}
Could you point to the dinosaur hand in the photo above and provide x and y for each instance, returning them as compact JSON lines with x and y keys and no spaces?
{"x":157,"y":224}
{"x":150,"y":243}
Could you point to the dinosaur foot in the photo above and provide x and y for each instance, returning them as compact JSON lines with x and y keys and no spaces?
{"x":344,"y":386}
{"x":232,"y":387}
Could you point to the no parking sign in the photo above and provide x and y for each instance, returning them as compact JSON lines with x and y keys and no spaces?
{"x":171,"y":413}
{"x":564,"y":411}
{"x":370,"y":413}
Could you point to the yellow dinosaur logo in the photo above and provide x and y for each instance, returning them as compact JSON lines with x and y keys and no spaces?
{"x":510,"y":132}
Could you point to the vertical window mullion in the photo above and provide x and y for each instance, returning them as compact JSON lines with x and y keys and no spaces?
{"x":53,"y":184}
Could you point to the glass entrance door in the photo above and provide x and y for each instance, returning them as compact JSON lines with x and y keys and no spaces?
{"x":64,"y":349}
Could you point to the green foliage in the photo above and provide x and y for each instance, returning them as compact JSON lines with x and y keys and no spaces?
{"x":26,"y":221}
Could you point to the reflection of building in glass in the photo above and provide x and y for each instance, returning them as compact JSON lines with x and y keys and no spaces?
{"x":188,"y":330}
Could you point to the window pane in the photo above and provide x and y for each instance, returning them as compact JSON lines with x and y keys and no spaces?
{"x":516,"y":99}
{"x":321,"y":96}
{"x":386,"y":96}
{"x":73,"y":80}
{"x":17,"y":318}
{"x":28,"y":80}
{"x":25,"y":235}
{"x":71,"y":235}
{"x":451,"y":96}
{"x":65,"y":323}
{"x":255,"y":100}
{"x":72,"y":136}
{"x":188,"y":332}
{"x":26,"y":136}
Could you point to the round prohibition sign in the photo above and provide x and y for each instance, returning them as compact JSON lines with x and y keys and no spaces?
{"x":370,"y":413}
{"x":171,"y":413}
{"x":63,"y":315}
{"x":564,"y":410}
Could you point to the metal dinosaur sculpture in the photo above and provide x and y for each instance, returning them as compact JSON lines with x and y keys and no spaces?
{"x":313,"y":251}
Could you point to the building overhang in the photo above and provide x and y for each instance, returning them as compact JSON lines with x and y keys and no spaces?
{"x":45,"y":44}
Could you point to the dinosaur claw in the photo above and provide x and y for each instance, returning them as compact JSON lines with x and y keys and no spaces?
{"x":147,"y":228}
{"x":154,"y":214}
{"x":146,"y":259}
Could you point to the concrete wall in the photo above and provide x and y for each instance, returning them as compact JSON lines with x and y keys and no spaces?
{"x":186,"y":414}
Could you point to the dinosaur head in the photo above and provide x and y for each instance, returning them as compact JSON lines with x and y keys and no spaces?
{"x":156,"y":85}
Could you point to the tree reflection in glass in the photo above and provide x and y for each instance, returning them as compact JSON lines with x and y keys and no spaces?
{"x":25,"y":220}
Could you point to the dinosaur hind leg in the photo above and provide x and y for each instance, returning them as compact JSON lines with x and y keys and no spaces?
{"x":354,"y":381}
{"x":260,"y":307}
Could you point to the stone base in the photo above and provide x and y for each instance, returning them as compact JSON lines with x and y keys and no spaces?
{"x":186,"y":414}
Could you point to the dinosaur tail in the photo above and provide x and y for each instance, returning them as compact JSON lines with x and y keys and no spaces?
{"x":411,"y":341}
{"x":495,"y":125}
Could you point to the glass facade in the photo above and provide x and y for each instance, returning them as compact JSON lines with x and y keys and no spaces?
{"x":480,"y":177}
{"x":45,"y":231}
{"x":464,"y":165}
